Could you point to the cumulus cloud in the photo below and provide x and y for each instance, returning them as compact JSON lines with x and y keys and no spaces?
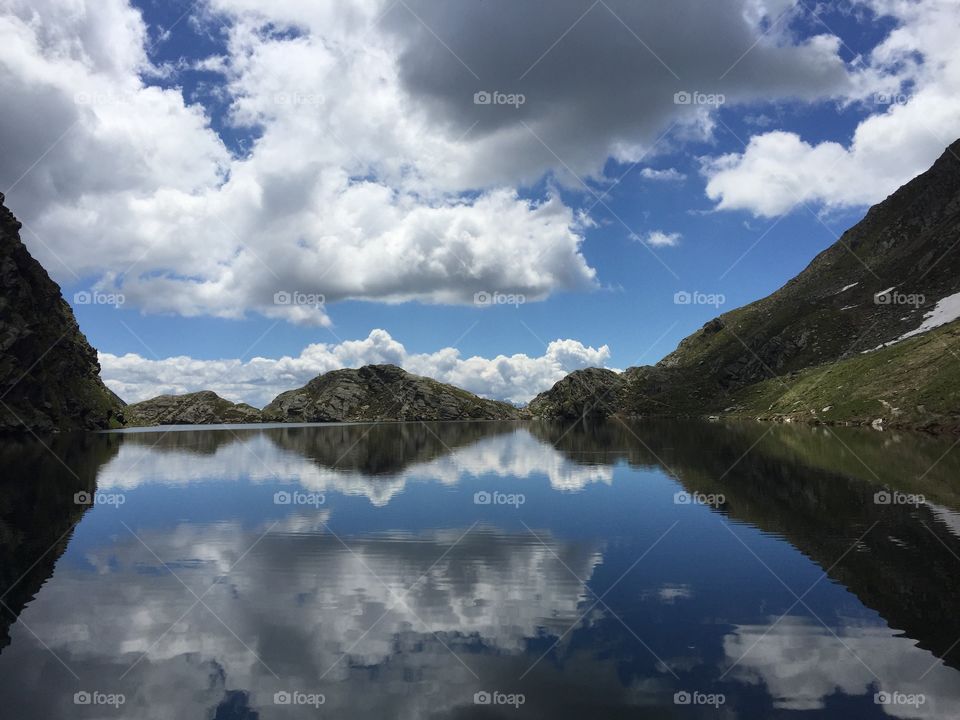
{"x":375,"y":173}
{"x":658,"y":238}
{"x":914,"y":98}
{"x":515,"y":378}
{"x":667,"y":175}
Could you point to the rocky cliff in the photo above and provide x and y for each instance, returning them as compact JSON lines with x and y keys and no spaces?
{"x":381,"y":392}
{"x":198,"y":408}
{"x":894,"y":274}
{"x":49,"y":374}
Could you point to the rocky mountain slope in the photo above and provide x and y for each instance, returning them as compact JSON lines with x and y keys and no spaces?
{"x":49,"y":374}
{"x":381,"y":392}
{"x":894,"y":273}
{"x":198,"y":408}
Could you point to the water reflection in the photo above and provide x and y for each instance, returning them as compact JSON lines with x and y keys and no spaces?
{"x":399,"y":596}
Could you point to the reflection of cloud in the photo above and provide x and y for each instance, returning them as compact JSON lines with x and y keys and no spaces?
{"x":672,"y":593}
{"x":801,"y":664}
{"x":299,"y":601}
{"x":514,"y":455}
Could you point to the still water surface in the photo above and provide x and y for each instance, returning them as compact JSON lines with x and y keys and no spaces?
{"x":480,"y":570}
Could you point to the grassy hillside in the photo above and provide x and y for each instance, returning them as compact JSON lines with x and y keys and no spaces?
{"x":914,"y":383}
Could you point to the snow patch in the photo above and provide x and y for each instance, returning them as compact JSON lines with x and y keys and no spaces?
{"x":848,"y":307}
{"x":946,"y":310}
{"x":847,"y":287}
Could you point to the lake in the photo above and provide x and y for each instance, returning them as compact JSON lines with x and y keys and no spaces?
{"x":480,"y":570}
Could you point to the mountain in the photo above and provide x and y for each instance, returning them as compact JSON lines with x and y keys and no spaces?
{"x":381,"y":392}
{"x":49,"y":374}
{"x":894,"y":275}
{"x":198,"y":408}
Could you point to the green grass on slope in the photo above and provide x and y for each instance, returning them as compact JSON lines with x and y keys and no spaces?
{"x":915,"y":383}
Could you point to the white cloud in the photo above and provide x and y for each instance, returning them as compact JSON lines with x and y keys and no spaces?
{"x":658,"y":238}
{"x":374,"y":176}
{"x":667,"y":175}
{"x":516,"y":378}
{"x":916,"y":114}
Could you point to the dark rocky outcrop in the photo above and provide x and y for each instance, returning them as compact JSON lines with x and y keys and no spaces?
{"x":199,"y":408}
{"x":592,"y":392}
{"x":381,"y":392}
{"x":49,"y":374}
{"x":828,"y":314}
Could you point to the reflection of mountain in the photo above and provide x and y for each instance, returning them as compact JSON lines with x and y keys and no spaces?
{"x":796,"y":482}
{"x":382,"y":449}
{"x":37,"y":511}
{"x":374,"y":461}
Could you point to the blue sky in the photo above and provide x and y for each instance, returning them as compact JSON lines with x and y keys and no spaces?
{"x":156,"y":206}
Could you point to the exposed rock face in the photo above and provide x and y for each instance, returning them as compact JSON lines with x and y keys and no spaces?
{"x":381,"y":392}
{"x":49,"y":374}
{"x":593,"y":392}
{"x":199,"y":408}
{"x":871,"y":287}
